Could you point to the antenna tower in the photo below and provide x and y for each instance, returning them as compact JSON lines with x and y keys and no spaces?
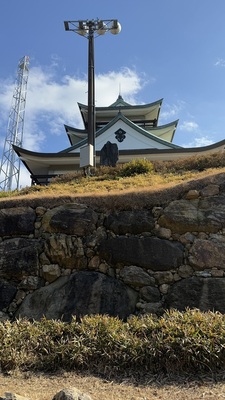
{"x":10,"y":164}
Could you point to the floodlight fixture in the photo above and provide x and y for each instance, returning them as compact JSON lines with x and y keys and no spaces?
{"x":115,"y":27}
{"x":101,"y":28}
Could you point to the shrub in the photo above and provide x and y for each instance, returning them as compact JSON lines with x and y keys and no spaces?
{"x":193,"y":163}
{"x":136,"y":167}
{"x":176,"y":342}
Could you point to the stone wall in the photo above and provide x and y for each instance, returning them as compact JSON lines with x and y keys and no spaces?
{"x":72,"y":259}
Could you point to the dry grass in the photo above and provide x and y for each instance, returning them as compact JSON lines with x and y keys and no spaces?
{"x":103,"y":185}
{"x":200,"y":335}
{"x":136,"y":175}
{"x":136,"y":192}
{"x":44,"y":387}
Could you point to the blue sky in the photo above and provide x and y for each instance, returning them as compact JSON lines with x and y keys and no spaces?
{"x":173,"y":50}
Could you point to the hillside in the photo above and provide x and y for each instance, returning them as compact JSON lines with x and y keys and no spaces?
{"x":136,"y":185}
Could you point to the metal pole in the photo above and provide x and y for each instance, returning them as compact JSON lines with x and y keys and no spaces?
{"x":91,"y":88}
{"x":88,"y":28}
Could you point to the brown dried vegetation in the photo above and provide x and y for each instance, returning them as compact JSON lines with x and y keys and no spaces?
{"x":136,"y":185}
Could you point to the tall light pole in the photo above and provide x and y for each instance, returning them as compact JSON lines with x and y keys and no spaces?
{"x":91,"y":29}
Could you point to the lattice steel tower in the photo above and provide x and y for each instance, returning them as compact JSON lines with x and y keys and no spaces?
{"x":10,"y":164}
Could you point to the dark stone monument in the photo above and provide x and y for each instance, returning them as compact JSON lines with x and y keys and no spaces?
{"x":109,"y":154}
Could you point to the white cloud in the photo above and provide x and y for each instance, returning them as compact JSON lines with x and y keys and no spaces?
{"x":24,"y":177}
{"x":126,"y":82}
{"x":189,"y":126}
{"x":200,"y":139}
{"x":171,"y":111}
{"x":220,"y":62}
{"x":6,"y":93}
{"x":199,"y":142}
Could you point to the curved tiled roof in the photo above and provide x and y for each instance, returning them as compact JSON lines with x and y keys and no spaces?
{"x":151,"y":134}
{"x":143,"y":111}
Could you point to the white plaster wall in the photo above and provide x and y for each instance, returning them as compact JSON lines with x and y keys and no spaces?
{"x":133,"y":140}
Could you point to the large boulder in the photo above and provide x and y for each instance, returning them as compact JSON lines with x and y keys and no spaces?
{"x":197,"y":292}
{"x":80,"y":294}
{"x":17,"y":221}
{"x":66,"y":251}
{"x":214,"y":210}
{"x":19,"y":258}
{"x":207,"y":254}
{"x":146,"y":252}
{"x":71,"y":219}
{"x":133,"y":222}
{"x":207,"y":215}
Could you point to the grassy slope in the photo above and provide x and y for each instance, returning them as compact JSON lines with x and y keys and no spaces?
{"x":107,"y":191}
